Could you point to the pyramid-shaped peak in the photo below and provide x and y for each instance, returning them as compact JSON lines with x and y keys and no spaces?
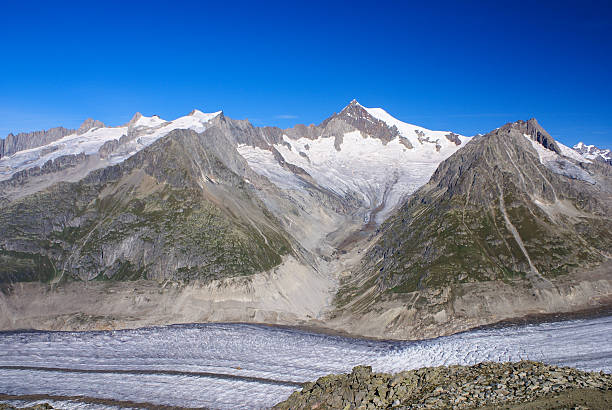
{"x":354,"y":103}
{"x":88,"y":124}
{"x":135,"y":118}
{"x":532,"y":129}
{"x":354,"y":107}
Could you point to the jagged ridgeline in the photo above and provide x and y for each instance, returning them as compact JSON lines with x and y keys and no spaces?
{"x":203,"y":196}
{"x":173,"y":210}
{"x":362,"y":223}
{"x":510,"y":204}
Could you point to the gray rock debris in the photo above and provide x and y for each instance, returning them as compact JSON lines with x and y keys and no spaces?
{"x":484,"y":384}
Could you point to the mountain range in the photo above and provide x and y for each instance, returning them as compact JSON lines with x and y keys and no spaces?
{"x":363,"y":224}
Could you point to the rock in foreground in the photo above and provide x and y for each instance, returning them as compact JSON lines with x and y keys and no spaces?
{"x":486,"y":384}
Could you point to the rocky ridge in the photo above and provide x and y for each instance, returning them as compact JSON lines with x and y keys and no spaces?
{"x":152,"y":216}
{"x":291,"y":215}
{"x":42,"y":406}
{"x":512,"y":209}
{"x":26,"y":140}
{"x":481,"y":385}
{"x":591,"y":152}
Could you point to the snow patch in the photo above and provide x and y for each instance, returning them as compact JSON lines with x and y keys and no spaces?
{"x":263,"y":162}
{"x":570,"y":153}
{"x":559,"y":164}
{"x":411,"y":132}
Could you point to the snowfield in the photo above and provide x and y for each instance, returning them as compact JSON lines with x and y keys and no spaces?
{"x":148,"y":130}
{"x":377,"y":173}
{"x":559,"y":163}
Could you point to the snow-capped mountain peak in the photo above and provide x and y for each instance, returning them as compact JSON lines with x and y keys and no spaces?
{"x":591,"y":152}
{"x":111,"y":144}
{"x":202,"y":116}
{"x":362,"y":153}
{"x":419,"y":137}
{"x":147,"y":122}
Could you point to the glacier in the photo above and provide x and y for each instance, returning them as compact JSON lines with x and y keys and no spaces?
{"x":253,"y":366}
{"x":147,"y":130}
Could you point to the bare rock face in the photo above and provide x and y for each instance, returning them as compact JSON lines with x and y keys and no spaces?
{"x":108,"y":147}
{"x":176,"y":210}
{"x":452,"y":137}
{"x":537,"y":133}
{"x":88,"y":124}
{"x":357,"y":117}
{"x":26,"y":140}
{"x":49,"y":167}
{"x":493,"y":211}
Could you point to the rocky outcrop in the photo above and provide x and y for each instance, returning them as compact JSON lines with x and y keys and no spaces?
{"x":536,"y":133}
{"x":88,"y":124}
{"x":494,"y":210}
{"x":179,"y":209}
{"x":49,"y":167}
{"x":26,"y":140}
{"x":41,"y":406}
{"x":452,"y":137}
{"x":484,"y":384}
{"x":108,"y":147}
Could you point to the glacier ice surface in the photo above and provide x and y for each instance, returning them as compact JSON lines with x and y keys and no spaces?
{"x":278,"y":354}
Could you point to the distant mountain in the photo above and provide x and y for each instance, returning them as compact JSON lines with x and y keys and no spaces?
{"x":359,"y":153}
{"x":497,"y":231}
{"x":591,"y":152}
{"x":513,"y":202}
{"x":206,"y":218}
{"x":26,"y":140}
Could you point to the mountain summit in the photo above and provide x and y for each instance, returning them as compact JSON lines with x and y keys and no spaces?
{"x":513,"y":206}
{"x":363,"y":223}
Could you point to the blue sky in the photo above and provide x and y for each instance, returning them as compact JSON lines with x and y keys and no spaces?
{"x":464,"y":66}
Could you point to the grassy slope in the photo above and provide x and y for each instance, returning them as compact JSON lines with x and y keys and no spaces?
{"x":156,"y":202}
{"x":453,"y":230}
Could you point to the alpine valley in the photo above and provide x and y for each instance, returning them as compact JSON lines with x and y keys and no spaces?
{"x":363,"y":224}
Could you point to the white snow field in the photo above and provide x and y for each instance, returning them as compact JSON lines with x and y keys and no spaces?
{"x":592,"y":152}
{"x":231,"y":366}
{"x":559,"y":163}
{"x":379,"y":173}
{"x":150,"y":129}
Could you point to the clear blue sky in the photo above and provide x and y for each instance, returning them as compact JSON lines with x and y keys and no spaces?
{"x":461,"y":65}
